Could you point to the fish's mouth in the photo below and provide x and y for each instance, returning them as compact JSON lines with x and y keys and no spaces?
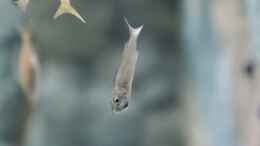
{"x":116,"y":109}
{"x":125,"y":106}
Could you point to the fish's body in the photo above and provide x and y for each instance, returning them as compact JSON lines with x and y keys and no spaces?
{"x":22,"y":4}
{"x":28,"y":67}
{"x":123,"y":80}
{"x":65,"y":7}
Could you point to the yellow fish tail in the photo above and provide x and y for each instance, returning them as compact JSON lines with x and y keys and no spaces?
{"x":66,"y":8}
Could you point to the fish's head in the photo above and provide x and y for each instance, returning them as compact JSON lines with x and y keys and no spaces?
{"x":119,"y":103}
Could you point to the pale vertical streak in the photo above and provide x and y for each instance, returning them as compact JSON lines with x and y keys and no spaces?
{"x":213,"y":99}
{"x":249,"y":102}
{"x":229,"y":25}
{"x":233,"y":29}
{"x":195,"y":130}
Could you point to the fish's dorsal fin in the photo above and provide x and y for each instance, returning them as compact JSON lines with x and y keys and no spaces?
{"x":134,"y":32}
{"x":65,"y":7}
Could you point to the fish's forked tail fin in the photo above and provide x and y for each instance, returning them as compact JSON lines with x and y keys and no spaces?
{"x":134,"y":32}
{"x":65,"y":7}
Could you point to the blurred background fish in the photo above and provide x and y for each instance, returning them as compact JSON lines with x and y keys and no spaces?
{"x":65,"y":7}
{"x":123,"y":80}
{"x":28,"y":67}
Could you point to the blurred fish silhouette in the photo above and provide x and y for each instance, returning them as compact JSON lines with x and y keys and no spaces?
{"x":65,"y":7}
{"x":123,"y":79}
{"x":22,"y":4}
{"x":28,"y":67}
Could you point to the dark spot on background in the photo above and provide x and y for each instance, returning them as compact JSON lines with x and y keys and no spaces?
{"x":249,"y":69}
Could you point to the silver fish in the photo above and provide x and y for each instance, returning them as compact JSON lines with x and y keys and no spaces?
{"x":123,"y":79}
{"x":65,"y":7}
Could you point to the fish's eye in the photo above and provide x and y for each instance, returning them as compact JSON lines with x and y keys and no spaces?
{"x":116,"y":99}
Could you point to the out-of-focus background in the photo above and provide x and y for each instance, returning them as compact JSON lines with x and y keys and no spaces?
{"x":196,"y":82}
